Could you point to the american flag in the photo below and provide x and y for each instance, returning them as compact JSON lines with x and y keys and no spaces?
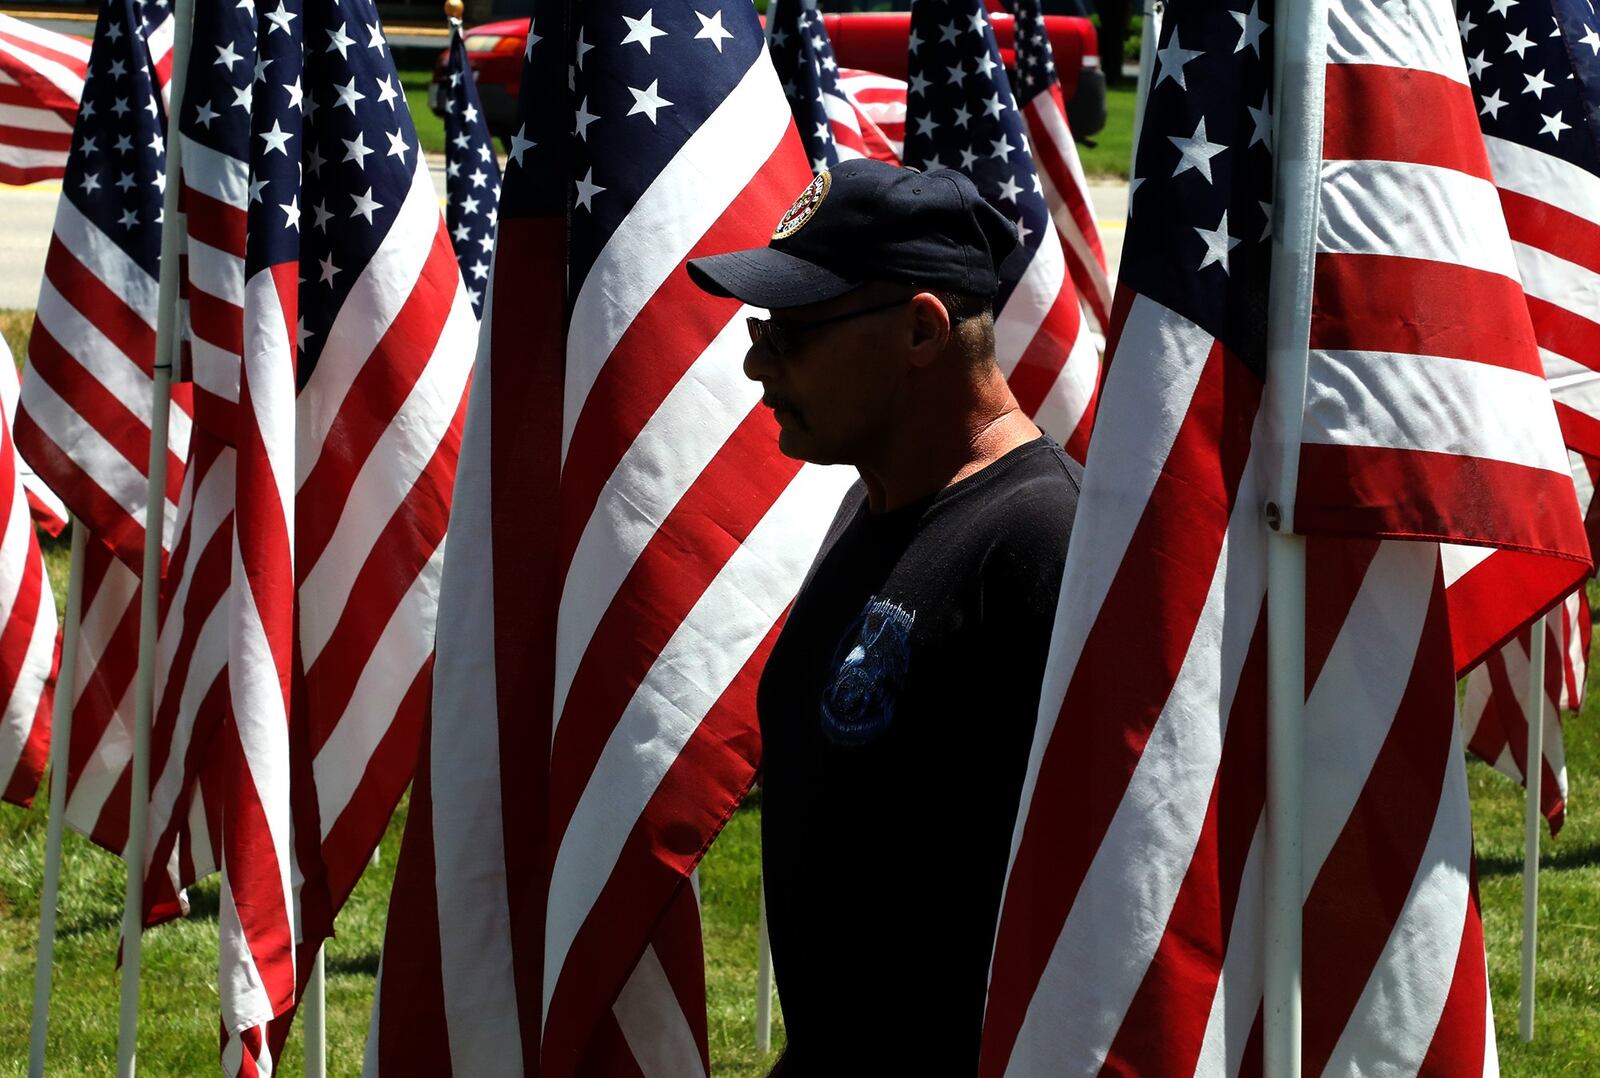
{"x":880,"y":103}
{"x":28,"y":642}
{"x":472,"y":175}
{"x":1135,"y":898}
{"x":1494,"y":718}
{"x":960,"y":114}
{"x":41,"y":79}
{"x":831,"y":124}
{"x":625,"y":541}
{"x":1055,"y":156}
{"x":84,"y":419}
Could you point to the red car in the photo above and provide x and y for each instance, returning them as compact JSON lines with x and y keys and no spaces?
{"x":872,"y":41}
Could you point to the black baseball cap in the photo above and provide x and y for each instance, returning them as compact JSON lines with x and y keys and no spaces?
{"x":866,"y":221}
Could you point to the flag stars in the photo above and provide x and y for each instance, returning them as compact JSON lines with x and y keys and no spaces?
{"x":1492,"y":104}
{"x":365,"y":205}
{"x":280,"y":19}
{"x":479,"y":178}
{"x":1591,"y":39}
{"x":348,"y":95}
{"x":1170,"y":61}
{"x":925,"y":127}
{"x":128,"y":219}
{"x":1536,"y":84}
{"x":1010,"y":189}
{"x":1554,"y":125}
{"x":375,"y":38}
{"x":712,"y":30}
{"x":1500,"y":7}
{"x":1196,"y":151}
{"x":643,"y":31}
{"x":328,"y":268}
{"x":356,"y":150}
{"x":1478,"y":64}
{"x":387,"y":93}
{"x":521,"y":143}
{"x":123,"y":144}
{"x":1518,"y":43}
{"x":291,"y":213}
{"x":340,"y":41}
{"x":1000,"y":148}
{"x":120,"y":107}
{"x":397,"y":144}
{"x":277,"y":139}
{"x":91,"y":182}
{"x":582,"y":121}
{"x":587,"y":189}
{"x":1261,"y":118}
{"x":125,"y":181}
{"x":226,"y":56}
{"x":1251,"y":27}
{"x":1218,"y":244}
{"x":647,"y":101}
{"x":296,"y":94}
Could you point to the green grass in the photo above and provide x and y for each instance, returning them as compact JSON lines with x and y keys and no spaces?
{"x":430,"y":128}
{"x":1109,"y":156}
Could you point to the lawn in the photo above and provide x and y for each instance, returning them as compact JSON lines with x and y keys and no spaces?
{"x":430,"y":128}
{"x":1110,"y":155}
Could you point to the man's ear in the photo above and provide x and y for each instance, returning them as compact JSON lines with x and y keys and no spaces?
{"x":930,"y":328}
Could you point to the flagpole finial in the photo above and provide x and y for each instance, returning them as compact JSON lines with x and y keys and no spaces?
{"x":454,"y":9}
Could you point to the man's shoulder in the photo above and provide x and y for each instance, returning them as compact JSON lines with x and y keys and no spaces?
{"x":1040,"y":486}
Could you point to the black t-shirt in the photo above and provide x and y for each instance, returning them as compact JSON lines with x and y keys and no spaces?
{"x":897,"y":711}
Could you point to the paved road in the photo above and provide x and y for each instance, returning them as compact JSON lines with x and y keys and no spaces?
{"x":26,"y":214}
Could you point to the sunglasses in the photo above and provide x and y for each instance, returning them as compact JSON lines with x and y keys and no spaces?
{"x":785,"y":336}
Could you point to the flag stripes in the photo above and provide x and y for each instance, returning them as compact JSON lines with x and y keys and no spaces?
{"x":41,"y":79}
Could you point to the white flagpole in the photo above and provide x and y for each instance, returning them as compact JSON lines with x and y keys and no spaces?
{"x":60,"y":745}
{"x":763,"y":980}
{"x":167,"y":331}
{"x":1300,"y":49}
{"x":1149,"y":39}
{"x":316,"y":1027}
{"x":1533,"y":774}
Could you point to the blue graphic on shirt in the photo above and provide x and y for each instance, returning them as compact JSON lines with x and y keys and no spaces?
{"x":869,"y":672}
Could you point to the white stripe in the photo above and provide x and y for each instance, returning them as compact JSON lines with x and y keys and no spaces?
{"x":1049,"y":122}
{"x":1413,"y":211}
{"x":1017,"y":323}
{"x":714,"y":166}
{"x":1420,"y":35}
{"x":82,"y":338}
{"x":475,"y":961}
{"x":117,"y":593}
{"x":386,"y":676}
{"x":19,"y":157}
{"x":661,"y":464}
{"x":1137,"y":452}
{"x":1555,"y":280}
{"x":102,"y":462}
{"x":61,"y":76}
{"x":1088,"y":985}
{"x":386,"y":477}
{"x":107,"y":261}
{"x":379,"y":293}
{"x":1459,"y":559}
{"x":1357,"y":694}
{"x":262,"y":722}
{"x":1237,"y":1000}
{"x":652,"y":1022}
{"x":67,"y":44}
{"x":1430,"y":403}
{"x":267,"y":365}
{"x":1397,"y":1016}
{"x":689,"y":674}
{"x":34,"y":119}
{"x":840,"y":111}
{"x":1544,"y":177}
{"x":216,"y":272}
{"x":216,"y":174}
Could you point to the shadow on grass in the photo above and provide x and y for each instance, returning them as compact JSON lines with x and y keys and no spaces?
{"x":364,"y":964}
{"x":89,"y":924}
{"x":1562,"y":857}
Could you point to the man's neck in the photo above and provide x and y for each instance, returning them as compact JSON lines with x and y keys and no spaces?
{"x":935,"y":452}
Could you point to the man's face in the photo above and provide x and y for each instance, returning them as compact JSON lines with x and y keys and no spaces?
{"x":834,"y":386}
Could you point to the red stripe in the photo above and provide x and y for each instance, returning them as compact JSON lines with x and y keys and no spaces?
{"x":694,"y":799}
{"x":397,"y":558}
{"x":1491,"y":601}
{"x":18,"y":177}
{"x":213,"y":222}
{"x":375,"y":397}
{"x":1349,"y":490}
{"x":1413,"y":306}
{"x":1550,"y":228}
{"x":72,"y":61}
{"x":1361,"y":890}
{"x":1459,"y":1040}
{"x":1180,"y":983}
{"x":525,"y":412}
{"x":660,"y":345}
{"x":1122,"y":672}
{"x":27,"y":138}
{"x":1579,"y":430}
{"x":254,"y":877}
{"x":1565,"y":332}
{"x":1048,"y":352}
{"x":1371,"y":114}
{"x":717,"y":513}
{"x":121,"y":324}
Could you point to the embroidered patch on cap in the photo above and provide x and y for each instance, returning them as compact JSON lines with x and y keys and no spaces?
{"x":804,"y":207}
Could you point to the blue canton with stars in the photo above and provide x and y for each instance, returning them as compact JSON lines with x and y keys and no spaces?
{"x":1200,"y":203}
{"x":1534,"y":66}
{"x":116,"y":172}
{"x":333,"y":152}
{"x":960,"y":114}
{"x":646,"y":76}
{"x":1036,"y":62}
{"x":804,"y":59}
{"x":472,"y":176}
{"x":536,"y":168}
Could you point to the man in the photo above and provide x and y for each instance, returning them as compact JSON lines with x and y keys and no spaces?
{"x":898,"y":705}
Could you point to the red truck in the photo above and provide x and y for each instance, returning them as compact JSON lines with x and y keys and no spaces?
{"x":871,"y":41}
